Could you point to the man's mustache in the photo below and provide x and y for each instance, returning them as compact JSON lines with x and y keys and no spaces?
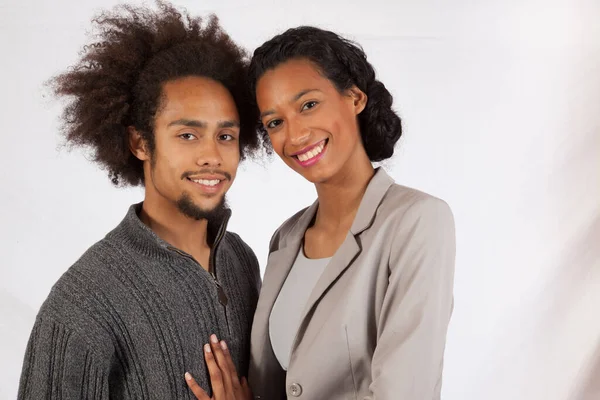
{"x":187,"y":174}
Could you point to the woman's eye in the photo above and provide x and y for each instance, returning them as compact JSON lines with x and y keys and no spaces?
{"x":308,"y":105}
{"x":273,"y":124}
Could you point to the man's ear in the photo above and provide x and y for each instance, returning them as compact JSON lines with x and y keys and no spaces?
{"x":137,"y":144}
{"x":359,"y":99}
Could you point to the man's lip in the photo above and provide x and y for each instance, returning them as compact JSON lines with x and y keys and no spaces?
{"x":207,"y":178}
{"x":308,"y":148}
{"x":208,"y":188}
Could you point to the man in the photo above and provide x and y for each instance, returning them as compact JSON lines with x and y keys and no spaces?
{"x":161,"y":102}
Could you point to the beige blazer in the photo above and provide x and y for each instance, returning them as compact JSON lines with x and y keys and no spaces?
{"x":375,"y":324}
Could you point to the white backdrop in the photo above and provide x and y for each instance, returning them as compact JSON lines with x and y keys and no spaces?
{"x":501,"y":108}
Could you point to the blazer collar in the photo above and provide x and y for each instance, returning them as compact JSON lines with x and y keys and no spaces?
{"x":376,"y":190}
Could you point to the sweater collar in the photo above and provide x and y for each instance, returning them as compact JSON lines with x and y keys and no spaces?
{"x":133,"y":233}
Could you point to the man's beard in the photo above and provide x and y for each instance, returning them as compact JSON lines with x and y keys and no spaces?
{"x":186,"y":205}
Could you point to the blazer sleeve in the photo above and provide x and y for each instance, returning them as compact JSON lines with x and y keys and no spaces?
{"x":411,"y":330}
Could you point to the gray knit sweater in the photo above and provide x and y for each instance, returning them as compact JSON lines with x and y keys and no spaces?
{"x":132,"y":314}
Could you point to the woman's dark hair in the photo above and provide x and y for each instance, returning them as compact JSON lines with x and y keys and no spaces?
{"x":117,"y":83}
{"x":345,"y":64}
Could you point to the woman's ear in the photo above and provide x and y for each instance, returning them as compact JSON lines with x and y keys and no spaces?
{"x":359,"y":99}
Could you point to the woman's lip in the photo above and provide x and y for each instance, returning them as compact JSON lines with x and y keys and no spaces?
{"x":308,"y":148}
{"x":313,"y":160}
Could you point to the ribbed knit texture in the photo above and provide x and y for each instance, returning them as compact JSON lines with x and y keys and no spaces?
{"x":130,"y":317}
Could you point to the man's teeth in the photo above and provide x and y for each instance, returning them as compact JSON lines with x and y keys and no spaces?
{"x":206,"y":182}
{"x":312,"y":153}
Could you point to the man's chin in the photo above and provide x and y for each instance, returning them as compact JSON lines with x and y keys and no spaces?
{"x":191,"y":209}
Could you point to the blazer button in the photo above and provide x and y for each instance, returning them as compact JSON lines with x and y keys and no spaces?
{"x":295,"y":390}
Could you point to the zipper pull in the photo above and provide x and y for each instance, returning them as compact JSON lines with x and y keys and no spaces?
{"x":221,"y":293}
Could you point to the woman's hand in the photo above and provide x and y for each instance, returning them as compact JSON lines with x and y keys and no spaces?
{"x":223,"y":376}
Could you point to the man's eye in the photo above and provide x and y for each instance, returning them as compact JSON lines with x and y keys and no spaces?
{"x":187,"y":136}
{"x":226,"y":137}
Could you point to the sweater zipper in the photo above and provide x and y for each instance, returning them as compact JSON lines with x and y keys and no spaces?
{"x":223,"y":300}
{"x":212,"y":268}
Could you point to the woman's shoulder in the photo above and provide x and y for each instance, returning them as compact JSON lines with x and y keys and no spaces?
{"x":284,"y":229}
{"x":400,"y":200}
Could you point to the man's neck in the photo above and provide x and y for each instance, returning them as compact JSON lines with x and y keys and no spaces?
{"x":172,"y":226}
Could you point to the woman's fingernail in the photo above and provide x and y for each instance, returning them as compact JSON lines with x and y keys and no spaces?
{"x":207,"y":348}
{"x":188,"y":376}
{"x":223,"y":345}
{"x":213,"y":338}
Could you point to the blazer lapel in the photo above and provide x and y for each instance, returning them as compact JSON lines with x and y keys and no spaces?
{"x":341,"y":260}
{"x":279,"y":265}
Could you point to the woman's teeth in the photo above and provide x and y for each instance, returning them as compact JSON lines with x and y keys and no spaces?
{"x":312,"y":153}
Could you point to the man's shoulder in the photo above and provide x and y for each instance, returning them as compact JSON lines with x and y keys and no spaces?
{"x":97,"y":258}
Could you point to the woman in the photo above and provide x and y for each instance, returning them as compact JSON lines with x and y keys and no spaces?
{"x":357,"y":293}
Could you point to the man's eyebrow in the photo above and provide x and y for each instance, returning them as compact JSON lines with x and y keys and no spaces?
{"x":229,"y":124}
{"x":192,"y":123}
